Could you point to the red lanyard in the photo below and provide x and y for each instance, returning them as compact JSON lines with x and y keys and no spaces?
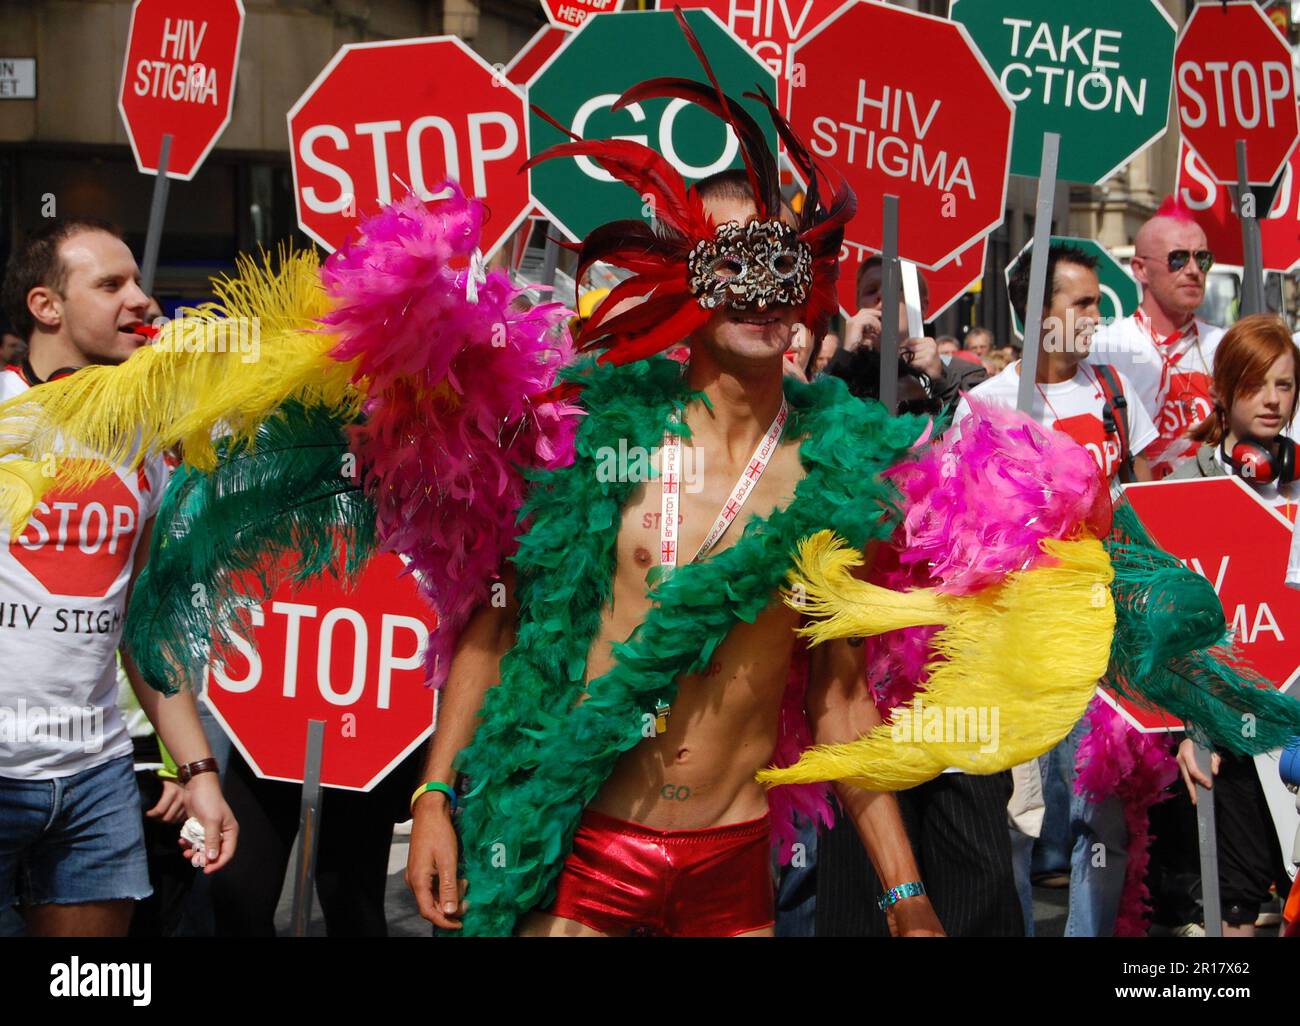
{"x":1164,"y":345}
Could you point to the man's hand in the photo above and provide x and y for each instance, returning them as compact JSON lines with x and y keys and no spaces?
{"x":862,"y":329}
{"x":171,"y":803}
{"x":204,"y":801}
{"x":431,"y":856}
{"x":923,"y":354}
{"x":913,"y":917}
{"x":1191,"y":772}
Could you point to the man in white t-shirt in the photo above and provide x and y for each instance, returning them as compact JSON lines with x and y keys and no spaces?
{"x":1070,"y":395}
{"x":1164,"y":349}
{"x":71,"y":843}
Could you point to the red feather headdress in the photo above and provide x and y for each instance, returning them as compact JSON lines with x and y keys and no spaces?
{"x":659,"y":257}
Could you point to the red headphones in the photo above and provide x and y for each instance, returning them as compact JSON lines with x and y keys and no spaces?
{"x":1262,"y":462}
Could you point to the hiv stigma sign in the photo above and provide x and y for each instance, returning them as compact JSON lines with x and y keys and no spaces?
{"x":179,"y":79}
{"x":377,"y":121}
{"x":1097,"y":72}
{"x":1241,"y":548}
{"x":879,"y":112}
{"x":354,"y":659}
{"x":768,"y":27}
{"x":580,"y":83}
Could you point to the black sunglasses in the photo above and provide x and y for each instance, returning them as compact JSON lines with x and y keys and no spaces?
{"x":1178,"y":259}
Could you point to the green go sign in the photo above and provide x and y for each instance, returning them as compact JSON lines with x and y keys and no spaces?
{"x":1096,"y":71}
{"x":583,"y":79}
{"x":1120,"y":294}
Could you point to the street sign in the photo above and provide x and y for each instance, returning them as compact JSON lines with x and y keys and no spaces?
{"x":354,"y":659}
{"x":602,"y":59}
{"x":1222,"y":530}
{"x":568,"y":15}
{"x":882,"y":116}
{"x":1120,"y":294}
{"x":1214,"y":208}
{"x":768,"y":27}
{"x":376,"y":121}
{"x":944,"y":286}
{"x":178,"y":79}
{"x":1235,"y":82}
{"x":1095,"y":71}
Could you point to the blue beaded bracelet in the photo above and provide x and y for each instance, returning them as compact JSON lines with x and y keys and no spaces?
{"x":896,"y":894}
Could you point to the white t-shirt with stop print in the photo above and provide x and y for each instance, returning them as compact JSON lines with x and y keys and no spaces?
{"x":63,"y":584}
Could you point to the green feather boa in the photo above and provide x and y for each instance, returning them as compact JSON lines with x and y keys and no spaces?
{"x":538,"y":756}
{"x":279,"y":507}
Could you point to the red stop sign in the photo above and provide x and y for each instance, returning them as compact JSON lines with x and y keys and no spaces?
{"x":179,"y":78}
{"x":379,"y":118}
{"x":78,"y":540}
{"x":1222,"y":530}
{"x":945,"y":286}
{"x":1214,"y":209}
{"x":1234,"y":79}
{"x":354,"y":659}
{"x":881,"y":115}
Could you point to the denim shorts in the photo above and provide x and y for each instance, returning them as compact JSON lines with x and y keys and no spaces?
{"x":73,"y":840}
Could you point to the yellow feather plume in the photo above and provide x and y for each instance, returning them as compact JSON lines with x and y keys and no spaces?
{"x":1014,"y":667}
{"x":222,"y":367}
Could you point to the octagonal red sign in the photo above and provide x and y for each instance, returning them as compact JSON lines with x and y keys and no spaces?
{"x":354,"y":659}
{"x":1233,"y":73}
{"x":1222,"y":530}
{"x":1213,"y":206}
{"x":179,"y":79}
{"x":865,"y":97}
{"x":570,"y":14}
{"x":382,"y":117}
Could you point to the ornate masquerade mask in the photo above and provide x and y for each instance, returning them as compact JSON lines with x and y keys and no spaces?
{"x":686,"y":267}
{"x":760,"y":264}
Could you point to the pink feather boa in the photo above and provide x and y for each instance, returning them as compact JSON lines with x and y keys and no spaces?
{"x":1116,"y":761}
{"x":976,"y":506}
{"x":448,"y":421}
{"x":794,"y":737}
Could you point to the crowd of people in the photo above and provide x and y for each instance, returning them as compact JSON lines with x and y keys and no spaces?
{"x":1159,"y":394}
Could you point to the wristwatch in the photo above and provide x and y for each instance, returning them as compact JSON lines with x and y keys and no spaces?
{"x":192,"y":769}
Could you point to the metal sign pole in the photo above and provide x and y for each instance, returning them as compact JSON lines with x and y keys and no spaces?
{"x":1205,"y":833}
{"x":1038,"y":272}
{"x":304,"y":882}
{"x":889,"y":286}
{"x":550,"y":258}
{"x":1252,"y":271}
{"x":157,"y":213}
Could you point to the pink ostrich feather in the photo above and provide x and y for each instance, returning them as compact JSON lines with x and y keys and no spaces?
{"x":1116,"y":761}
{"x":977,"y":505}
{"x":449,"y":429}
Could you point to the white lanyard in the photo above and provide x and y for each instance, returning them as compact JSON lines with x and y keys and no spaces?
{"x":670,"y":490}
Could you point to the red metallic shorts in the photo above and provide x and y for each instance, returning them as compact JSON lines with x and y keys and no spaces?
{"x":625,"y":879}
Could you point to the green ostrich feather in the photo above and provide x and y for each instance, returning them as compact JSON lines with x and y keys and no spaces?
{"x":1171,"y":650}
{"x":281,"y":507}
{"x":539,"y":756}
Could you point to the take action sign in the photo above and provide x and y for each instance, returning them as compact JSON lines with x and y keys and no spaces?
{"x":354,"y":659}
{"x":179,"y":78}
{"x":1223,"y":531}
